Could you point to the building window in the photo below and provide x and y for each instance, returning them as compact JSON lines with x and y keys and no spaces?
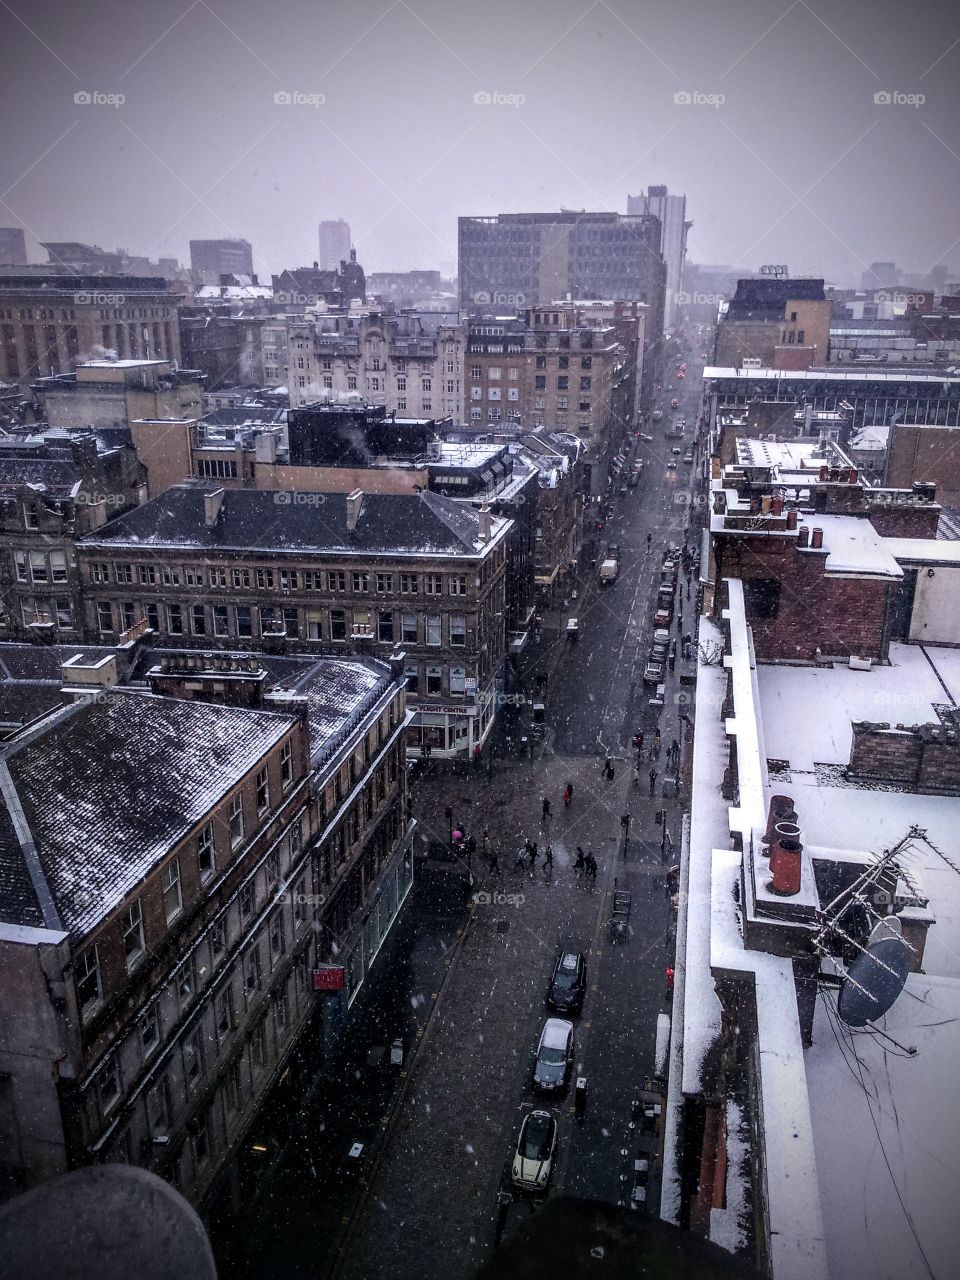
{"x":385,"y":627}
{"x":265,"y":579}
{"x":337,"y":580}
{"x":458,"y":681}
{"x":235,"y":820}
{"x":314,"y":625}
{"x":585,"y":383}
{"x":241,"y":579}
{"x":433,"y":584}
{"x":124,"y":573}
{"x":193,"y":1060}
{"x":409,"y":628}
{"x":286,"y":765}
{"x":175,"y":620}
{"x":223,"y":1013}
{"x":272,"y":868}
{"x":338,"y":624}
{"x":561,"y":402}
{"x":87,"y":977}
{"x":263,"y":791}
{"x":150,"y":1030}
{"x":172,"y":895}
{"x":198,"y":620}
{"x":186,"y":983}
{"x":277,"y":945}
{"x":221,"y":620}
{"x":476,"y":371}
{"x":384,"y":583}
{"x":58,"y":566}
{"x":360,"y":582}
{"x":458,"y":584}
{"x":104,"y":616}
{"x":131,"y":931}
{"x":206,"y":858}
{"x":158,"y":1110}
{"x":411,"y":674}
{"x":434,"y":680}
{"x":458,"y":629}
{"x":244,"y":617}
{"x":246,"y":899}
{"x":433,"y":629}
{"x":218,"y":939}
{"x":98,"y":572}
{"x":108,"y":1083}
{"x":563,"y":383}
{"x":251,"y":970}
{"x":493,"y":393}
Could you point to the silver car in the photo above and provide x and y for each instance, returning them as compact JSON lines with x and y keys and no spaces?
{"x":554,"y":1056}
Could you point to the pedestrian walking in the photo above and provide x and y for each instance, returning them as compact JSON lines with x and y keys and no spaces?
{"x":649,"y":540}
{"x":581,"y":861}
{"x":546,"y":807}
{"x":566,"y":798}
{"x":470,"y":848}
{"x":520,"y":862}
{"x":657,"y":739}
{"x":591,"y":866}
{"x":675,"y":750}
{"x":477,"y":757}
{"x":486,"y":842}
{"x":495,"y":864}
{"x":638,"y":741}
{"x":607,"y":772}
{"x":548,"y":858}
{"x":636,"y":774}
{"x":569,"y":790}
{"x":670,"y":976}
{"x":533,"y":854}
{"x":653,"y":780}
{"x":427,"y":750}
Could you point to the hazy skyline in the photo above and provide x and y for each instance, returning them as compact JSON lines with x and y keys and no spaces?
{"x":797,"y":164}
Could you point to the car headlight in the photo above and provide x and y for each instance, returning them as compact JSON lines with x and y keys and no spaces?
{"x":516,"y":1170}
{"x":542,"y":1175}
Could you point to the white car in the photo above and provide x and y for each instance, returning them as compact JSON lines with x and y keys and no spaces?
{"x":536,"y":1147}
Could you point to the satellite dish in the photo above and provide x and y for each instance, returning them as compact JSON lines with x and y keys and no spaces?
{"x":876,"y":977}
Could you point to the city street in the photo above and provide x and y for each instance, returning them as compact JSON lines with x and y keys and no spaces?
{"x":465,"y":983}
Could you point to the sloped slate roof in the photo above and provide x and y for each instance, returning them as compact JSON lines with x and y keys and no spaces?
{"x":107,"y":791}
{"x":390,"y":523}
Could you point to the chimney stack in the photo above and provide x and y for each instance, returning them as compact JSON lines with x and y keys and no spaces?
{"x":803,"y":536}
{"x":485,"y":522}
{"x":785,"y":864}
{"x":781,"y":810}
{"x":212,"y":503}
{"x":816,"y":538}
{"x":791,"y":519}
{"x":354,"y":503}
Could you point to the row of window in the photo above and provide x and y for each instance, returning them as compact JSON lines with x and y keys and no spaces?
{"x":242,"y":578}
{"x":563,"y":383}
{"x":241,"y":621}
{"x":40,"y":566}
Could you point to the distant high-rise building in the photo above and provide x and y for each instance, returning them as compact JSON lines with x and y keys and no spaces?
{"x":211,"y":259}
{"x":13,"y":247}
{"x":334,"y":244}
{"x":516,"y":260}
{"x":672,"y":214}
{"x":879,"y":274}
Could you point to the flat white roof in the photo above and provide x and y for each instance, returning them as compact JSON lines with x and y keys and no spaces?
{"x":826,"y":375}
{"x":924,"y":550}
{"x":854,"y":547}
{"x":869,"y":1102}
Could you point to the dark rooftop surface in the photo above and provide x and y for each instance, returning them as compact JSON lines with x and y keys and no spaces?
{"x":108,"y":789}
{"x":421,"y":524}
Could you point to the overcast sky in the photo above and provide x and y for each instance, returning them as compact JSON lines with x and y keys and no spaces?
{"x":784,"y":155}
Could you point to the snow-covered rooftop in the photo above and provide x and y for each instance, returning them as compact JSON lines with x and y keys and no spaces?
{"x":854,"y":547}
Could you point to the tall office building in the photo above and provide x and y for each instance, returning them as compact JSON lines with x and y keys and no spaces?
{"x":512,"y":261}
{"x":672,"y":214}
{"x":334,"y":244}
{"x":211,"y":259}
{"x":13,"y":247}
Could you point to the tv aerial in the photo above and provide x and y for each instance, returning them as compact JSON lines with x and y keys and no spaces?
{"x":864,"y":938}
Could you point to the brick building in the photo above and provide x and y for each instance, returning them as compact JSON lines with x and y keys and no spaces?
{"x":359,"y":573}
{"x":160,"y":947}
{"x":54,"y":489}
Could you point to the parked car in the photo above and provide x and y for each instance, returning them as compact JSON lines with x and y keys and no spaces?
{"x":536,"y":1146}
{"x":653,"y":671}
{"x":662,"y":617}
{"x":676,"y":451}
{"x":554,"y":1055}
{"x":674,"y":404}
{"x":657,"y":415}
{"x":649,"y":439}
{"x":688,"y":456}
{"x":568,"y":983}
